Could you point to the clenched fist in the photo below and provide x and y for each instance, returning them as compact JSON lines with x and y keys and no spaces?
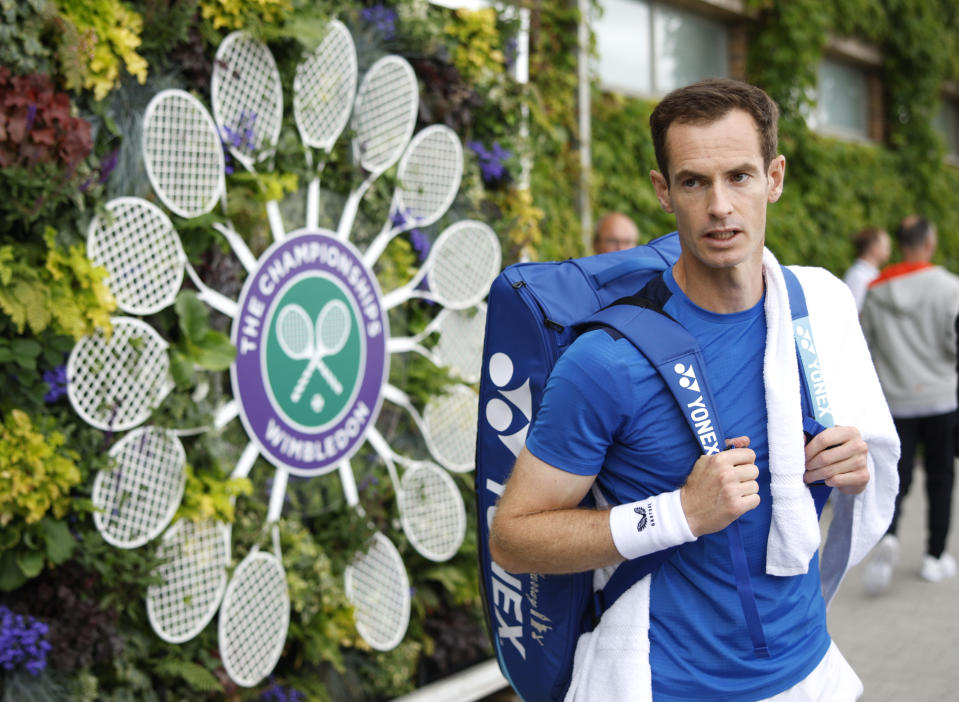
{"x":720,"y":488}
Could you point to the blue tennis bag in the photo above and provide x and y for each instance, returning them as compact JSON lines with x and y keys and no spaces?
{"x":535,"y":311}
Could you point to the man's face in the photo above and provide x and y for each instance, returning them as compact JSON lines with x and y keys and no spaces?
{"x":719,"y":189}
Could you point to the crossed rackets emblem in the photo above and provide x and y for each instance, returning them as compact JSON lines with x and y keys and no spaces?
{"x":303,"y":340}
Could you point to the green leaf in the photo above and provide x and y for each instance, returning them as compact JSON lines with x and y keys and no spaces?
{"x":194,"y":315}
{"x":214,"y":351}
{"x":11,"y":577}
{"x":59,"y":540}
{"x":181,"y":368}
{"x":30,"y":562}
{"x":26,"y":347}
{"x":195,"y":675}
{"x":9,"y":537}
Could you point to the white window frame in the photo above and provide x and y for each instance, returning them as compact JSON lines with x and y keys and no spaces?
{"x":718,"y":11}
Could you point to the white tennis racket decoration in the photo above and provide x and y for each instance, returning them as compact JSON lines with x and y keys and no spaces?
{"x":376,"y":582}
{"x":430,"y":504}
{"x":137,"y":497}
{"x":115,"y":382}
{"x":427,"y":180}
{"x":323,"y":92}
{"x":247,"y":98}
{"x":383,"y":120}
{"x":459,"y":269}
{"x":185,"y":163}
{"x":193,"y":571}
{"x":460,"y":344}
{"x":255,"y":613}
{"x":446,"y":425}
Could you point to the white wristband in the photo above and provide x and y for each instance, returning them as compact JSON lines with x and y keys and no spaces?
{"x":650,"y":525}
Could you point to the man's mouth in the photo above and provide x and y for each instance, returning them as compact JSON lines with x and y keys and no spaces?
{"x":722,"y":234}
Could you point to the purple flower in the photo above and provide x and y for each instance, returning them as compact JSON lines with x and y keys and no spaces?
{"x":491,"y":162}
{"x":108,"y":164}
{"x":420,"y":243}
{"x":31,"y":115}
{"x":56,"y":380}
{"x":382,"y":18}
{"x":510,"y":52}
{"x":277,"y":693}
{"x":22,"y":642}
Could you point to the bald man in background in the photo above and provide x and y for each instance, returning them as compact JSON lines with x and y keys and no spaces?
{"x":614,"y":232}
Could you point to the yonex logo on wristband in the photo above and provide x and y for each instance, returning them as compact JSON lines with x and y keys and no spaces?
{"x":641,"y":524}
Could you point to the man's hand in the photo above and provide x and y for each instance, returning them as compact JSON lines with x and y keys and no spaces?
{"x":837,"y":456}
{"x":720,"y":488}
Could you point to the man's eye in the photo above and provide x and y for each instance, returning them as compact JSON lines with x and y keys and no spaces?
{"x":690,"y":183}
{"x":740,"y":177}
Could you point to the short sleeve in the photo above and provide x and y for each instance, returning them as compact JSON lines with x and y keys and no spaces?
{"x":584,"y":405}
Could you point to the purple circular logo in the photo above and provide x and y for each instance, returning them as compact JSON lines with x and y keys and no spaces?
{"x":311,"y":358}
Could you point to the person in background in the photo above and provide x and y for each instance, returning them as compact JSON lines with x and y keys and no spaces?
{"x":909,"y":319}
{"x":614,"y":232}
{"x":872,"y":252}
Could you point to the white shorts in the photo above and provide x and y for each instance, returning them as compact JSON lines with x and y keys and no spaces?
{"x":833,"y":680}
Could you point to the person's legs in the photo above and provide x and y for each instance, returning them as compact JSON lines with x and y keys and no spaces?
{"x":937,"y":440}
{"x":908,"y":430}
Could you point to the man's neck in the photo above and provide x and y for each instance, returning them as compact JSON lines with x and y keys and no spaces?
{"x":725,"y":290}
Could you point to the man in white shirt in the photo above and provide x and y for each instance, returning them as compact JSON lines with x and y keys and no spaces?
{"x":872,"y":253}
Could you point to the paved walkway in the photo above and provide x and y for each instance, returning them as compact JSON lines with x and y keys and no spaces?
{"x":904,"y":644}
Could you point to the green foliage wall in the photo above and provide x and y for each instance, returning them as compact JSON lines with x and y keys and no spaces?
{"x":833,"y":188}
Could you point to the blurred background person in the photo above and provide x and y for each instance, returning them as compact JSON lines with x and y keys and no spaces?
{"x":614,"y":232}
{"x":872,"y":252}
{"x":909,"y":319}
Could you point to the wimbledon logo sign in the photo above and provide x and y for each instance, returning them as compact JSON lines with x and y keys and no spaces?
{"x":311,"y":360}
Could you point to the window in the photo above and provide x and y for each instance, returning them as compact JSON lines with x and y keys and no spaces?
{"x":947,"y":124}
{"x":649,"y":48}
{"x":842,"y":100}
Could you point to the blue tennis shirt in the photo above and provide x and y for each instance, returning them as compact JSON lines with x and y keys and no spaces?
{"x":607,"y":412}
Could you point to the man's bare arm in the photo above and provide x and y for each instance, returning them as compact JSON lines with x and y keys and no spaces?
{"x":539,"y":528}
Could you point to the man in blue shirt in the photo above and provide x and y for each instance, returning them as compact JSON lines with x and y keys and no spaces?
{"x":607,"y":420}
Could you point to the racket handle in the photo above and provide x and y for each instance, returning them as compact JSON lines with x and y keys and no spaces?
{"x":239,"y":246}
{"x":329,"y":377}
{"x":313,"y":204}
{"x":304,"y":379}
{"x":276,"y":220}
{"x":351,"y":207}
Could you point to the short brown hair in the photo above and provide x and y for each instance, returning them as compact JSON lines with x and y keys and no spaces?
{"x":864,"y":239}
{"x":710,"y":100}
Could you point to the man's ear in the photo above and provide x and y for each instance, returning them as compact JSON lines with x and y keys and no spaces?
{"x":662,"y":190}
{"x":776,"y":173}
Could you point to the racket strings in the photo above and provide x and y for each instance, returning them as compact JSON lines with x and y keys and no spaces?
{"x":183,"y":154}
{"x":333,"y":327}
{"x":433,"y":511}
{"x":434,"y":167}
{"x":248,"y":100}
{"x":451,"y":423}
{"x":141,"y":252}
{"x":464,"y":266}
{"x":460,"y":343}
{"x":294,"y":332}
{"x":379,"y":592}
{"x":138,"y":497}
{"x":254,"y":619}
{"x":385,"y":113}
{"x":326,"y":84}
{"x":114,"y":384}
{"x":192,"y":578}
